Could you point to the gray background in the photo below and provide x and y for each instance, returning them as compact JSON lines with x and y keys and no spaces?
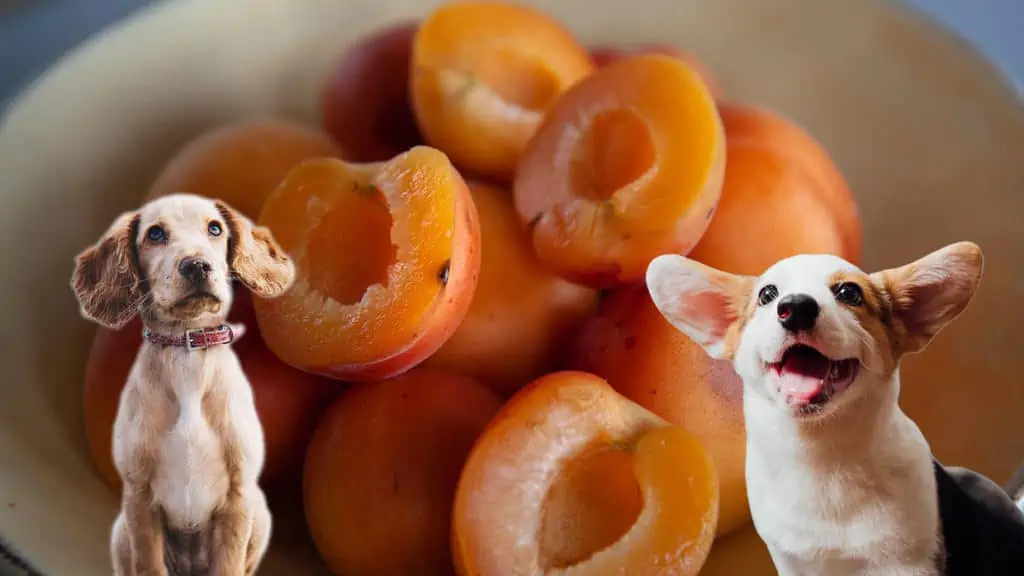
{"x":33,"y":33}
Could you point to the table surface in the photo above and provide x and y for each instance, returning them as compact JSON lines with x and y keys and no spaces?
{"x":34,"y":33}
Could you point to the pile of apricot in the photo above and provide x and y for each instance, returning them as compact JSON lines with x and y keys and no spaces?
{"x":468,"y":374}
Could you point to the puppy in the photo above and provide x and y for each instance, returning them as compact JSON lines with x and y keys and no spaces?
{"x":839,"y":480}
{"x":187,"y":442}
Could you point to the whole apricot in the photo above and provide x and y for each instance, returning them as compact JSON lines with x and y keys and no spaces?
{"x":627,"y":166}
{"x":484,"y":73}
{"x":382,"y":468}
{"x":782,"y":196}
{"x":288,"y":401}
{"x":366,"y":101}
{"x":525,"y":502}
{"x":606,"y":54}
{"x":632,"y":346}
{"x":387,"y":257}
{"x":522,"y":314}
{"x":242,"y":162}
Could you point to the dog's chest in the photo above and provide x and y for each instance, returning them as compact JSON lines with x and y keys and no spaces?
{"x":191,"y":479}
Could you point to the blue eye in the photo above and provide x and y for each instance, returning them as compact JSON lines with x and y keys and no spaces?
{"x":156,"y":234}
{"x":215,"y":229}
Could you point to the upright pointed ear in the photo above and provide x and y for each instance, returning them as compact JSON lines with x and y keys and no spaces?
{"x":929,"y":293}
{"x":704,"y":303}
{"x":255,"y":258}
{"x":106,"y":279}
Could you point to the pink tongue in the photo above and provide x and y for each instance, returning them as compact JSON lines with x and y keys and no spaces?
{"x":802,"y":375}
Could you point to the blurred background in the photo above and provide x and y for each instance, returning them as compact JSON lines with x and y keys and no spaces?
{"x":33,"y":33}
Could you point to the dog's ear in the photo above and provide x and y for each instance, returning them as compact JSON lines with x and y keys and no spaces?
{"x":929,"y":293}
{"x":255,"y":258}
{"x":704,"y":303}
{"x":106,"y":279}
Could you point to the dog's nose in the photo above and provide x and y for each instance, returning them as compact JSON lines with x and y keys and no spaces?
{"x":797,"y":312}
{"x":194,"y":269}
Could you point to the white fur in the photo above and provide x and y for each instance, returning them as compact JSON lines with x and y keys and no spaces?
{"x":849,"y":489}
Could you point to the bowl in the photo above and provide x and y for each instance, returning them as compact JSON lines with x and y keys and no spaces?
{"x":926,"y":131}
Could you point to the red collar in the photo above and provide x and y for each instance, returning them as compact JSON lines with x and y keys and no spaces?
{"x":197,"y":339}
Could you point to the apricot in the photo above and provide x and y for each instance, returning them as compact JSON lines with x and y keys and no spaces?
{"x":628,"y":165}
{"x":241,"y":162}
{"x":606,"y":54}
{"x":631,"y":345}
{"x":483,"y":76}
{"x":365,"y":103}
{"x":782,"y":196}
{"x":288,"y":401}
{"x":522,"y":315}
{"x":382,"y":468}
{"x":387,"y":258}
{"x":524,"y":503}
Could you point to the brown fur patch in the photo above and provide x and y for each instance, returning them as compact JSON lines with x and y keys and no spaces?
{"x":255,"y":257}
{"x":874,"y":315}
{"x":106,"y":279}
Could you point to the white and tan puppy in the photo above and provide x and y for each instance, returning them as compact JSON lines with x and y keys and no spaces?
{"x":187,"y":441}
{"x":840,"y":481}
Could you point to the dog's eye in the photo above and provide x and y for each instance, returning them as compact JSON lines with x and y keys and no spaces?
{"x":767,"y":294}
{"x":156,"y":234}
{"x":214,"y":228}
{"x":849,"y":293}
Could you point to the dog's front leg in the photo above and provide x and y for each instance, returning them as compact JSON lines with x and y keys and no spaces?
{"x":145,"y":536}
{"x":233,"y":521}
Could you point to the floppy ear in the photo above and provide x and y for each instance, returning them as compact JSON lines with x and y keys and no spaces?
{"x":255,"y":258}
{"x":929,"y":293}
{"x":106,"y":278}
{"x":704,"y":303}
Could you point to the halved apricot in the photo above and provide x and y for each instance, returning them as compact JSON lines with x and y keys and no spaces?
{"x":606,"y":54}
{"x":387,"y":257}
{"x":631,"y":345}
{"x":522,"y":315}
{"x":288,"y":401}
{"x":522,"y":501}
{"x":627,"y":166}
{"x":365,"y":103}
{"x":382,"y":468}
{"x":782,"y":196}
{"x":242,"y":162}
{"x":484,"y":74}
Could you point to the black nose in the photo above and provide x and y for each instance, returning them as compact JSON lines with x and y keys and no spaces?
{"x":797,"y":312}
{"x":194,"y":270}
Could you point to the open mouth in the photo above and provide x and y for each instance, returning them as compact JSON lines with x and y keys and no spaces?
{"x":808,"y":378}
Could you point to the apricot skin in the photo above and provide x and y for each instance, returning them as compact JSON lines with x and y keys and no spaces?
{"x":382,"y":468}
{"x":242,"y":162}
{"x":288,"y":401}
{"x":522,"y":314}
{"x":621,"y":171}
{"x":483,"y":74}
{"x":630,"y":344}
{"x":782,"y":196}
{"x":365,"y":103}
{"x":308,"y":338}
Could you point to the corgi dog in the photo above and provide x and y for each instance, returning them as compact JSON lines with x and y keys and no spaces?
{"x":839,"y":480}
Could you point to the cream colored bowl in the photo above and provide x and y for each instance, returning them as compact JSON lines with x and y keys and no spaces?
{"x":929,"y":135}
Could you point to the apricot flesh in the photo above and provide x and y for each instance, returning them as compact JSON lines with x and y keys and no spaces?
{"x":288,"y":401}
{"x":484,"y":74}
{"x":522,"y":315}
{"x":365,"y":103}
{"x":509,"y":496}
{"x":387,"y":258}
{"x":606,"y":54}
{"x":627,"y":166}
{"x":242,"y":162}
{"x":382,"y":468}
{"x":630,"y":344}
